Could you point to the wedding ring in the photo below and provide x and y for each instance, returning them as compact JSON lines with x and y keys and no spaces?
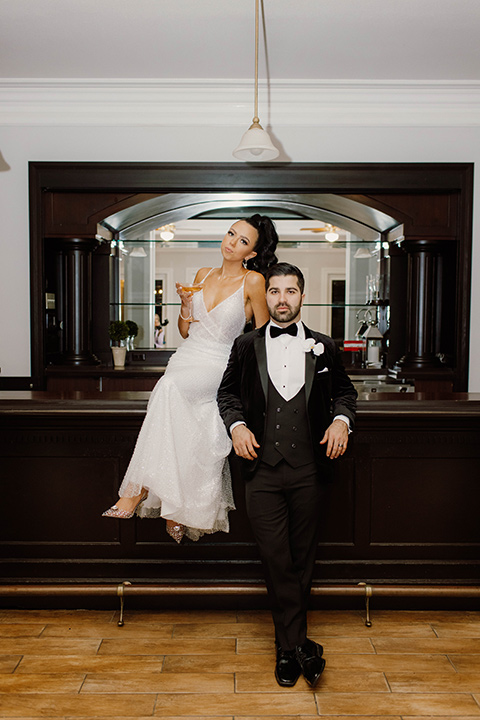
{"x":340,"y":444}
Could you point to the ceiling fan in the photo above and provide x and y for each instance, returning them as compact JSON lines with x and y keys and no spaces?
{"x":330,"y":231}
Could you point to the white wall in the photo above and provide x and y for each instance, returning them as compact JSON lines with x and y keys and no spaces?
{"x":21,"y":144}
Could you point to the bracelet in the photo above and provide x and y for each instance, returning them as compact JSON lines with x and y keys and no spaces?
{"x":187,"y":319}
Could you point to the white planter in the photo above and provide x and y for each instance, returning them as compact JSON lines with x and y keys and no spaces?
{"x":119,"y":354}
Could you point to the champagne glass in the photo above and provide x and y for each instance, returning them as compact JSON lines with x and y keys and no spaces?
{"x":192,"y":288}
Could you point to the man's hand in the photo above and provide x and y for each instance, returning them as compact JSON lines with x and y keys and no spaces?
{"x":336,"y":437}
{"x":244,"y":442}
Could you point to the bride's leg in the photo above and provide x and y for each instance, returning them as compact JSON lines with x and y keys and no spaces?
{"x":130,"y":503}
{"x":125,"y":507}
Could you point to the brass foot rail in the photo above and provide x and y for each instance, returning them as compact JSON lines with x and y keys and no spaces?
{"x":121,"y":590}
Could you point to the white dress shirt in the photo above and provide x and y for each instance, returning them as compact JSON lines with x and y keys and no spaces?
{"x":286,"y":361}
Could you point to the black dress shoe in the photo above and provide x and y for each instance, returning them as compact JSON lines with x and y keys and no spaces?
{"x":287,"y":669}
{"x":311,"y":664}
{"x":315,"y":648}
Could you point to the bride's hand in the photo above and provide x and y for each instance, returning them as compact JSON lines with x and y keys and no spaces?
{"x":186,"y":298}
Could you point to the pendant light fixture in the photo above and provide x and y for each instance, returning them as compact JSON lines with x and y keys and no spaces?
{"x":255,"y":144}
{"x":167,"y":232}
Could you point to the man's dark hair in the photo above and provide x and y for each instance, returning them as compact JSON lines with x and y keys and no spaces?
{"x":284,"y":268}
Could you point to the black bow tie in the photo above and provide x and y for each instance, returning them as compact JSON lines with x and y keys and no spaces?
{"x":289,"y":330}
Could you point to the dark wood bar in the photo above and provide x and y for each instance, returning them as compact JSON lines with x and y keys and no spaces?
{"x":403,"y":508}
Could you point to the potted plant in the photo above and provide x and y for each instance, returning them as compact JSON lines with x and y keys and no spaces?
{"x":118,"y":332}
{"x":132,"y":333}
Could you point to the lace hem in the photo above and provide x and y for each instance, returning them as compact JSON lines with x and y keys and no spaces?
{"x":190,"y":532}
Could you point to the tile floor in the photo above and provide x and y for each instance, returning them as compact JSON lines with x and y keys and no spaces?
{"x":188,"y":664}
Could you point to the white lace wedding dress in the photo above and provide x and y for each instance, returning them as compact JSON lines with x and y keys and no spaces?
{"x":182,"y":448}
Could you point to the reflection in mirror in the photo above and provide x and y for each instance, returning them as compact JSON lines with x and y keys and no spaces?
{"x":346,"y":275}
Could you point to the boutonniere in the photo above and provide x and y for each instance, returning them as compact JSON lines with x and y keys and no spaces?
{"x":310,"y":345}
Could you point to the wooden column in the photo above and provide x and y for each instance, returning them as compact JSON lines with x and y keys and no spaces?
{"x":423,"y":298}
{"x":76,"y":268}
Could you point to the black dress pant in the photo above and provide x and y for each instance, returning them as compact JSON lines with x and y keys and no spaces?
{"x":283,"y":505}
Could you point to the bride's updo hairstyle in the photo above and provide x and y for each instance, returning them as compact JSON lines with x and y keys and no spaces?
{"x":266,"y":244}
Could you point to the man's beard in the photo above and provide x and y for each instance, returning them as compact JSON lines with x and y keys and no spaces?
{"x":285,"y":316}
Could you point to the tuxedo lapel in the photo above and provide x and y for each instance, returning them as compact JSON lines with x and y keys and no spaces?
{"x":261,"y":354}
{"x":309,"y":365}
{"x":309,"y":372}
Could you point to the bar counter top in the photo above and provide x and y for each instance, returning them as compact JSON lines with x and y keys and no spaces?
{"x":26,"y":402}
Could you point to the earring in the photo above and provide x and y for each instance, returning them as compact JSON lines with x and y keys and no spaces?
{"x":244,"y":263}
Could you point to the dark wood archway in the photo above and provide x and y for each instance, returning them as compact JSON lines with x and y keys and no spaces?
{"x":430,"y":283}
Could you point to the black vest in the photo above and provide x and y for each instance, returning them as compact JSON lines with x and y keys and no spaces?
{"x":287,"y":434}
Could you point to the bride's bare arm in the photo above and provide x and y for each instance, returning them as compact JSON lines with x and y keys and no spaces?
{"x":256,"y":305}
{"x":186,"y":306}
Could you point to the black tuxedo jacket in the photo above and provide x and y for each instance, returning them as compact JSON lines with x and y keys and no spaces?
{"x":243,"y":392}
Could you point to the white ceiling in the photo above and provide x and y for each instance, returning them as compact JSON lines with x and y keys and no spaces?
{"x":307,"y":39}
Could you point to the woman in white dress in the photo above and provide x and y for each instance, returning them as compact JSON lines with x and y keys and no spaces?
{"x":179,"y":469}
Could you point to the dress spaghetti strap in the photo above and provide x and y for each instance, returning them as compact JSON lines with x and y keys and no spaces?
{"x":245,"y":277}
{"x":208,"y":273}
{"x":242,"y":286}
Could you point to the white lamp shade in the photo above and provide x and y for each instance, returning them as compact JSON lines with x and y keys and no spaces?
{"x":138,"y":252}
{"x":372,"y":333}
{"x":331,"y":236}
{"x":256,"y":145}
{"x":362,"y":252}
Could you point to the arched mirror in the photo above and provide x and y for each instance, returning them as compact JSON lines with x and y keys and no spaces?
{"x":341,"y":246}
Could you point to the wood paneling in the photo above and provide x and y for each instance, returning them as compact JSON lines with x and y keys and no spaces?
{"x":76,"y":214}
{"x":414,"y":501}
{"x":403,"y":508}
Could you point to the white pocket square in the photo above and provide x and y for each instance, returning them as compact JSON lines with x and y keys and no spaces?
{"x":322,"y":371}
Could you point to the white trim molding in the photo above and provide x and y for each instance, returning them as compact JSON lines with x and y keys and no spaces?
{"x":190,"y":103}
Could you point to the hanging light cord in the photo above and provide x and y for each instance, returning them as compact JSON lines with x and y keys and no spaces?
{"x":256,"y":118}
{"x":255,"y":143}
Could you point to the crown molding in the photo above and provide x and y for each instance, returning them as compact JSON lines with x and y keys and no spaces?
{"x":140,"y":102}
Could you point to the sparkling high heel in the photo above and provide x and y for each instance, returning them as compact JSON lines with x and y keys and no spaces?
{"x":115,"y":511}
{"x":176,"y":531}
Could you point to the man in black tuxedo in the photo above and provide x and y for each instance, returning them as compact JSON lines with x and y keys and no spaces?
{"x":276,"y":398}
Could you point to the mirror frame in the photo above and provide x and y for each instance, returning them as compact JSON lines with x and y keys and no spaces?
{"x":352,"y":180}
